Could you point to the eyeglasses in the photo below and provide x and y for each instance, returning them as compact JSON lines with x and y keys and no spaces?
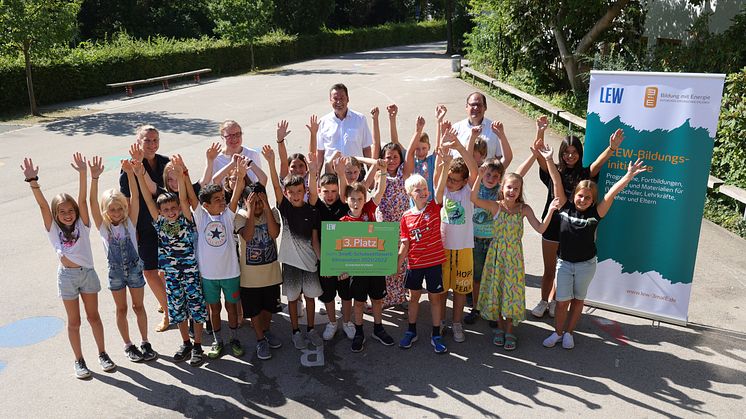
{"x":231,"y":136}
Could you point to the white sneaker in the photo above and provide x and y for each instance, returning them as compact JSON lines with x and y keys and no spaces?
{"x":552,"y":308}
{"x":301,"y":308}
{"x":540,"y":309}
{"x":349,"y":329}
{"x":552,"y":340}
{"x":568,"y":342}
{"x":329,"y":331}
{"x":458,"y":332}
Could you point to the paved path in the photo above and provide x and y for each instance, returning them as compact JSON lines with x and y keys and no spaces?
{"x":653,"y":371}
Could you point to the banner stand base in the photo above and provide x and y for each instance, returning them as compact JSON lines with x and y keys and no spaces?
{"x":635,"y":313}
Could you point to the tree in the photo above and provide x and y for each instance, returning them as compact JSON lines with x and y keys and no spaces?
{"x":35,"y":27}
{"x":242,"y":20}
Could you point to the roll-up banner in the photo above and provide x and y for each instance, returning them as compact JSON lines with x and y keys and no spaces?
{"x":647,"y":243}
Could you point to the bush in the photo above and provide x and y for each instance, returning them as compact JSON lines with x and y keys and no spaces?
{"x":729,"y":154}
{"x":302,"y":16}
{"x":84,"y":72}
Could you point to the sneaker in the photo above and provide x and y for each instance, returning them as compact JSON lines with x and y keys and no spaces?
{"x":383,"y":337}
{"x":236,"y":347}
{"x":148,"y":354}
{"x":314,"y":338}
{"x":299,"y":341}
{"x":197,"y":357}
{"x":215,"y":350}
{"x":568,"y":342}
{"x":132,"y":353}
{"x":443,"y":328}
{"x":552,"y":308}
{"x":408,"y":339}
{"x":183,"y":353}
{"x":349,"y":329}
{"x":106,"y":363}
{"x":329,"y":331}
{"x":262,"y":349}
{"x":274,"y":341}
{"x":357,"y":343}
{"x":472,"y":316}
{"x":438,"y":346}
{"x":81,"y":370}
{"x":552,"y":340}
{"x":540,"y":309}
{"x":458,"y":332}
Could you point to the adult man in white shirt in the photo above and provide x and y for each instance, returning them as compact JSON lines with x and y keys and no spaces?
{"x":342,"y":130}
{"x":476,"y":105}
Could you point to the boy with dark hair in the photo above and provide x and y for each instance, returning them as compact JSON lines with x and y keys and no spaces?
{"x":258,"y":227}
{"x":299,"y":248}
{"x":216,"y":255}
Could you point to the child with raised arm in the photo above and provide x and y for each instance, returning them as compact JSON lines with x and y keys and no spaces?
{"x":258,"y":226}
{"x":418,"y":160}
{"x":576,"y":256}
{"x":216,"y":256}
{"x":299,"y":248}
{"x":115,"y":218}
{"x":68,"y":229}
{"x":503,"y":287}
{"x":458,"y":175}
{"x":174,"y":225}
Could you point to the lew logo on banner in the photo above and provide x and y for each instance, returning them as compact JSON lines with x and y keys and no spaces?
{"x":611,"y":95}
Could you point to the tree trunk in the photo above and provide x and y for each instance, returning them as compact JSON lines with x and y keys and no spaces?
{"x":569,"y":61}
{"x":251,"y":49}
{"x":449,"y":26}
{"x":29,"y":80}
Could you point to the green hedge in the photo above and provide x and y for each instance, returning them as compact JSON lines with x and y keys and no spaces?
{"x":84,"y":72}
{"x":729,"y":154}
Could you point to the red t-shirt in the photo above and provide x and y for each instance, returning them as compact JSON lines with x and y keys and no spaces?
{"x":422,"y":230}
{"x":368,"y":214}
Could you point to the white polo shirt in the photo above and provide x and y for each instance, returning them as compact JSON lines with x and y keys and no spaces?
{"x":463,"y":129}
{"x":350,"y":135}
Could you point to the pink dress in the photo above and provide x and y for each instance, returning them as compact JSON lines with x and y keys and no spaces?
{"x":393,"y":204}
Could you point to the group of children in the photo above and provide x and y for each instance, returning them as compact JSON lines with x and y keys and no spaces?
{"x":461,"y":227}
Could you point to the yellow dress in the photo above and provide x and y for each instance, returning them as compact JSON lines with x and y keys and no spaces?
{"x":503,"y":287}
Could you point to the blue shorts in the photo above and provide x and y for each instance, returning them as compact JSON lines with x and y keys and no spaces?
{"x":71,"y":282}
{"x":119,"y":277}
{"x":432,"y":275}
{"x":574,"y":278}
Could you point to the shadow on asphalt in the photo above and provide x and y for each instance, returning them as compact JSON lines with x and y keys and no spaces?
{"x":111,"y":124}
{"x":628,"y":362}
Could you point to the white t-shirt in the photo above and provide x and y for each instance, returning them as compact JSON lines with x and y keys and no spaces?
{"x":463,"y":129}
{"x":77,"y":249}
{"x":118,"y":233}
{"x":350,"y":135}
{"x":216,"y":245}
{"x":223,"y":160}
{"x":456,"y":225}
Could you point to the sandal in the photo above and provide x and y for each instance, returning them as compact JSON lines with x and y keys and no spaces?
{"x":510,"y":342}
{"x":499,"y":339}
{"x":162,"y":326}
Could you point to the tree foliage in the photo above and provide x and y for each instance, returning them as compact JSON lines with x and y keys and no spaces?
{"x":34,"y":27}
{"x":302,"y":16}
{"x":241,"y":20}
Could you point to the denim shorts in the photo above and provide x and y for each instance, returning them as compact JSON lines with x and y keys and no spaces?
{"x":574,"y":278}
{"x":120,"y":278}
{"x":71,"y":282}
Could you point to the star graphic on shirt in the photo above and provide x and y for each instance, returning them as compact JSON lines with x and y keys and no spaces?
{"x":215,"y":233}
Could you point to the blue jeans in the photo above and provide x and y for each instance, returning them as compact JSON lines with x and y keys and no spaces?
{"x":125,"y":266}
{"x":574,"y":278}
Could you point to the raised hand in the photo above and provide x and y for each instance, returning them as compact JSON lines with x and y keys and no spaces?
{"x":268,"y":153}
{"x":482,"y":170}
{"x":542,"y":123}
{"x":381,"y":165}
{"x":445,"y":126}
{"x":137,"y":167}
{"x":498,"y":128}
{"x":538,"y":144}
{"x":393,"y":110}
{"x":420,"y":124}
{"x":282,"y":131}
{"x":29,"y":171}
{"x":546,"y":152}
{"x":136,"y":152}
{"x":636,"y":168}
{"x":374,"y":112}
{"x":312,"y":166}
{"x":126,"y":167}
{"x":252,"y":200}
{"x":555,"y":204}
{"x":178,"y":163}
{"x":313,"y":124}
{"x":97,"y":166}
{"x":616,"y":138}
{"x":476,"y":131}
{"x":212,"y":152}
{"x":440,"y":112}
{"x":242,"y":167}
{"x":78,"y":163}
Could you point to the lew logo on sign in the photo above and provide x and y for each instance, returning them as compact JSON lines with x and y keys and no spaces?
{"x":611,"y":95}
